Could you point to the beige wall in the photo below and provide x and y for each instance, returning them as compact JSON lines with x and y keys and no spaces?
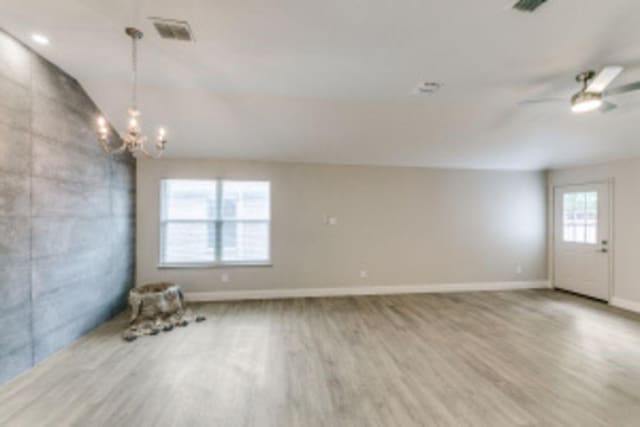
{"x":626,"y":205}
{"x":403,"y":225}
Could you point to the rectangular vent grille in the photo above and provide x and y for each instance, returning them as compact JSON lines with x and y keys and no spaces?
{"x":173,"y":29}
{"x":528,"y":5}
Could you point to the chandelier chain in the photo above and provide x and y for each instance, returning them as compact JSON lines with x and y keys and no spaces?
{"x":134,"y":66}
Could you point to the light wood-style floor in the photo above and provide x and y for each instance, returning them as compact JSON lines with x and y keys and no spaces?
{"x":525,"y":358}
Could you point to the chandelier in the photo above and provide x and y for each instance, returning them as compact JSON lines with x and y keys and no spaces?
{"x":132,"y":140}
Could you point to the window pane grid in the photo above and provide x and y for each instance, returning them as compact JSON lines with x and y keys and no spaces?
{"x":189,"y":199}
{"x":243,"y":200}
{"x":189,"y":241}
{"x":580,"y":217}
{"x":245,"y":240}
{"x":215,"y":222}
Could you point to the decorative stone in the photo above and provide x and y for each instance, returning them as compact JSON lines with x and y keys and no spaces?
{"x":156,"y":307}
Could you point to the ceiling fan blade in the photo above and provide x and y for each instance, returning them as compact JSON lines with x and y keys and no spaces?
{"x":604,"y":79}
{"x":623,"y":89}
{"x":607,"y":106}
{"x":542,"y":100}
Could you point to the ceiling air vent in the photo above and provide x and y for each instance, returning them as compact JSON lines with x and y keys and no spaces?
{"x":173,"y":29}
{"x":528,"y":5}
{"x":427,"y":88}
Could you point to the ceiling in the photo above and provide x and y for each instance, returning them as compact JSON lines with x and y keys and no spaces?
{"x":331,"y":81}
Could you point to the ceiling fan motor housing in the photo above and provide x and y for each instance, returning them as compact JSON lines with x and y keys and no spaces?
{"x":585,"y":76}
{"x":585,"y":96}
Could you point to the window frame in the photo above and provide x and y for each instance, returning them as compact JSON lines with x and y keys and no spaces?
{"x":218,"y":222}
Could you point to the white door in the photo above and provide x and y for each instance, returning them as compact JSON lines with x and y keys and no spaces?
{"x":582,"y":243}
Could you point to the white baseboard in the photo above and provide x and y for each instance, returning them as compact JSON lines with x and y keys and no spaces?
{"x":363,"y":290}
{"x":625,"y":304}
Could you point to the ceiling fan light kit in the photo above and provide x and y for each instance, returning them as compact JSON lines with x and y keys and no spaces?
{"x":583,"y":102}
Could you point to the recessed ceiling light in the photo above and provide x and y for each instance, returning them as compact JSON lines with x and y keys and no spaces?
{"x":40,"y":39}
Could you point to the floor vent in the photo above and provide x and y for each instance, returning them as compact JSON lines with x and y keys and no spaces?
{"x":172,"y":29}
{"x":528,"y":5}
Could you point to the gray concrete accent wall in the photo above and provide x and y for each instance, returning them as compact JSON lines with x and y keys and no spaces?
{"x":67,"y":230}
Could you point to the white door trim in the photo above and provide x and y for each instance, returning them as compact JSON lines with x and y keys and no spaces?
{"x":610,"y":183}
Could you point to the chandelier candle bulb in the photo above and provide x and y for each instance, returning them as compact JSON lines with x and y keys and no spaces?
{"x":102,"y":127}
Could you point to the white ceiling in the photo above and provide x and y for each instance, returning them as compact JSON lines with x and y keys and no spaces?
{"x":330,"y":81}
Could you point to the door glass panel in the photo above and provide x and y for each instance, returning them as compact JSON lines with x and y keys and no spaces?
{"x":580,"y":217}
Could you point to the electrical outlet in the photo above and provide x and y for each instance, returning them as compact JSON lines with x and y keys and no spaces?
{"x":330,"y":220}
{"x":363,"y":274}
{"x":224,"y":277}
{"x":519,"y":270}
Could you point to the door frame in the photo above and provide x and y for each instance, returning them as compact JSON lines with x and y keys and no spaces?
{"x":610,"y":183}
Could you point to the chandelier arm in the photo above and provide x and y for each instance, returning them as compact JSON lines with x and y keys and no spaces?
{"x":145,"y":152}
{"x":120,"y":149}
{"x":158,"y":154}
{"x":155,"y":155}
{"x":105,"y":146}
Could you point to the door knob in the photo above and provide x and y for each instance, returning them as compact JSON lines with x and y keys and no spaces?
{"x":603,"y":250}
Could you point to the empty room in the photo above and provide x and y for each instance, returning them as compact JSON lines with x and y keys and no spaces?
{"x":319,"y":213}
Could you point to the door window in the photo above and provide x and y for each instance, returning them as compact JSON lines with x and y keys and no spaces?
{"x":580,"y":217}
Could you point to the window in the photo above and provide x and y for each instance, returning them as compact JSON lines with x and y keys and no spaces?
{"x":215,"y":222}
{"x":580,"y":217}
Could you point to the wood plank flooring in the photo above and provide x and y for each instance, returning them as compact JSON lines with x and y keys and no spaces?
{"x":523,"y":358}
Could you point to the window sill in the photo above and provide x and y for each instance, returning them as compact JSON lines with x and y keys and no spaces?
{"x":214,"y":265}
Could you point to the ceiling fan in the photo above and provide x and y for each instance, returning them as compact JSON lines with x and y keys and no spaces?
{"x":594,"y":91}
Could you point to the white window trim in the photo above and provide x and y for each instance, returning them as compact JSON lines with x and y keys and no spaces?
{"x":218,"y":262}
